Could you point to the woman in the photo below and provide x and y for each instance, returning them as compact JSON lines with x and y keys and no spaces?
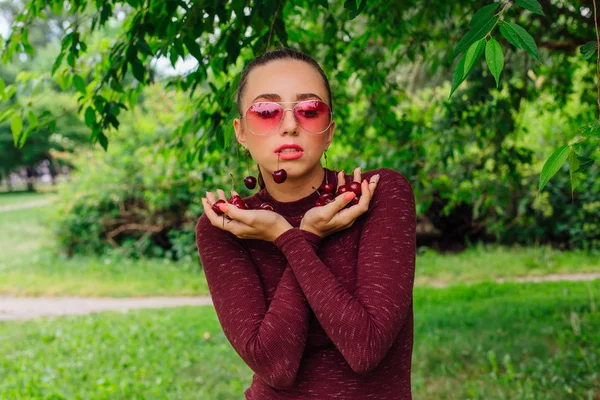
{"x":317,"y":300}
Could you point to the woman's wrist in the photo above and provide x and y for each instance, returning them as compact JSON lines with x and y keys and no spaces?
{"x":283,"y":227}
{"x":307,"y":229}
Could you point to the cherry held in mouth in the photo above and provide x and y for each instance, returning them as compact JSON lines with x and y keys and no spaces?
{"x":280,"y":175}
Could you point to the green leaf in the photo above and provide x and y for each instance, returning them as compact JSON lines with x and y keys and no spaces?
{"x":481,"y":24}
{"x":483,"y":14}
{"x":79,"y":83}
{"x":15,"y":126}
{"x":494,"y":58}
{"x":138,"y":70}
{"x":592,"y":129}
{"x":573,"y":167}
{"x":588,"y":50}
{"x":8,"y":112}
{"x":466,"y":63}
{"x":57,"y":63}
{"x":103,"y":140}
{"x":193,"y":47}
{"x":2,"y":86}
{"x":24,"y":137}
{"x":532,"y":5}
{"x":32,"y":118}
{"x":553,"y":164}
{"x":144,"y":47}
{"x":519,"y":38}
{"x":90,"y":117}
{"x":584,"y":163}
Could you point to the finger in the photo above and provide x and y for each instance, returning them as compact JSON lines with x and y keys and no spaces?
{"x":211,"y":197}
{"x":341,"y":179}
{"x":367,"y":189}
{"x":338,"y":204}
{"x":236,"y":213}
{"x":357,"y":176}
{"x":215,"y":219}
{"x":232,"y":225}
{"x":221,"y":194}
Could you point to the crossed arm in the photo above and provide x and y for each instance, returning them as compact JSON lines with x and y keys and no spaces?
{"x":363,"y":326}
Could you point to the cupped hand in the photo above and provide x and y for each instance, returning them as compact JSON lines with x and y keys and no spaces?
{"x":246,"y":224}
{"x":333,"y":217}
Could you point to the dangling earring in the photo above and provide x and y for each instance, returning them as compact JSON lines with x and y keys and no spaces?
{"x":249,"y":181}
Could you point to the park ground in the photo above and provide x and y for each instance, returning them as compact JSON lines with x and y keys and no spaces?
{"x":482,"y":329}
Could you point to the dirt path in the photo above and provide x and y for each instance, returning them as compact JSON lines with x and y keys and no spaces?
{"x":21,"y":308}
{"x":14,"y":308}
{"x":587,"y":276}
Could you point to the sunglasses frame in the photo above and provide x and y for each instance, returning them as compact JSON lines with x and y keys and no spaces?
{"x":283,"y":114}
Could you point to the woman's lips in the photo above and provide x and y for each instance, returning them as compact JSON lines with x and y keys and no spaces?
{"x":292,"y":155}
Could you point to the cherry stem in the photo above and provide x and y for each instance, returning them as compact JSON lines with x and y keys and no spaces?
{"x":232,"y":186}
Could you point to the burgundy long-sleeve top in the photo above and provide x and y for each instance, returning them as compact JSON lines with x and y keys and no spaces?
{"x":320,"y":318}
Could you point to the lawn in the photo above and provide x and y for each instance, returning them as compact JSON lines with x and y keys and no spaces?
{"x":484,"y":341}
{"x":30,"y":266}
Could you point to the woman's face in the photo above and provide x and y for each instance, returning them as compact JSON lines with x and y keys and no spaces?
{"x":280,"y":81}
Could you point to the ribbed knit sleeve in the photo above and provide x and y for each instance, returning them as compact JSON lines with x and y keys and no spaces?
{"x":363,"y":325}
{"x":270,"y":340}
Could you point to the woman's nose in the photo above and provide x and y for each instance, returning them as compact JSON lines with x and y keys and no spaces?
{"x":289,"y":124}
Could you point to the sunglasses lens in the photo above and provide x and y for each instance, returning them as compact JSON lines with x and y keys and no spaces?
{"x":262,"y":118}
{"x":313,"y":115}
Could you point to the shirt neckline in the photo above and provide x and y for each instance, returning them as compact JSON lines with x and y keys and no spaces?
{"x":298,"y":207}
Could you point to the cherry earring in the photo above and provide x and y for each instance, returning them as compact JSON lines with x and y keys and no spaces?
{"x":249,"y":181}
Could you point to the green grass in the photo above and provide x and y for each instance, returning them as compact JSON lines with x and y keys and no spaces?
{"x":15,"y":198}
{"x":484,"y":262}
{"x":30,"y":266}
{"x":485,"y":341}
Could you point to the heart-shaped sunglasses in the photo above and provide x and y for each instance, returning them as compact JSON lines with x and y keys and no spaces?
{"x":264,"y":117}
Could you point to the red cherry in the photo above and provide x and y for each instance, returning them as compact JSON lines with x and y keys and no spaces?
{"x":250,"y":182}
{"x":325,"y":196}
{"x":267,"y":206}
{"x":354,"y":201}
{"x":240,"y":204}
{"x":280,"y":176}
{"x":342,"y":189}
{"x":216,"y":208}
{"x":318,"y":203}
{"x":234,"y":198}
{"x":327,"y":187}
{"x":355,"y":187}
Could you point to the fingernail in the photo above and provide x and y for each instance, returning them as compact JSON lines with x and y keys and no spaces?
{"x":349,"y":196}
{"x":224,"y":207}
{"x":206,"y":194}
{"x":377,"y":178}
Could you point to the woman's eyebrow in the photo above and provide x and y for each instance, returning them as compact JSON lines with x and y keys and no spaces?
{"x":276,"y":97}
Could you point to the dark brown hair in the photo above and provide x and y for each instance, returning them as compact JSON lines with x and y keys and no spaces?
{"x":281,"y":53}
